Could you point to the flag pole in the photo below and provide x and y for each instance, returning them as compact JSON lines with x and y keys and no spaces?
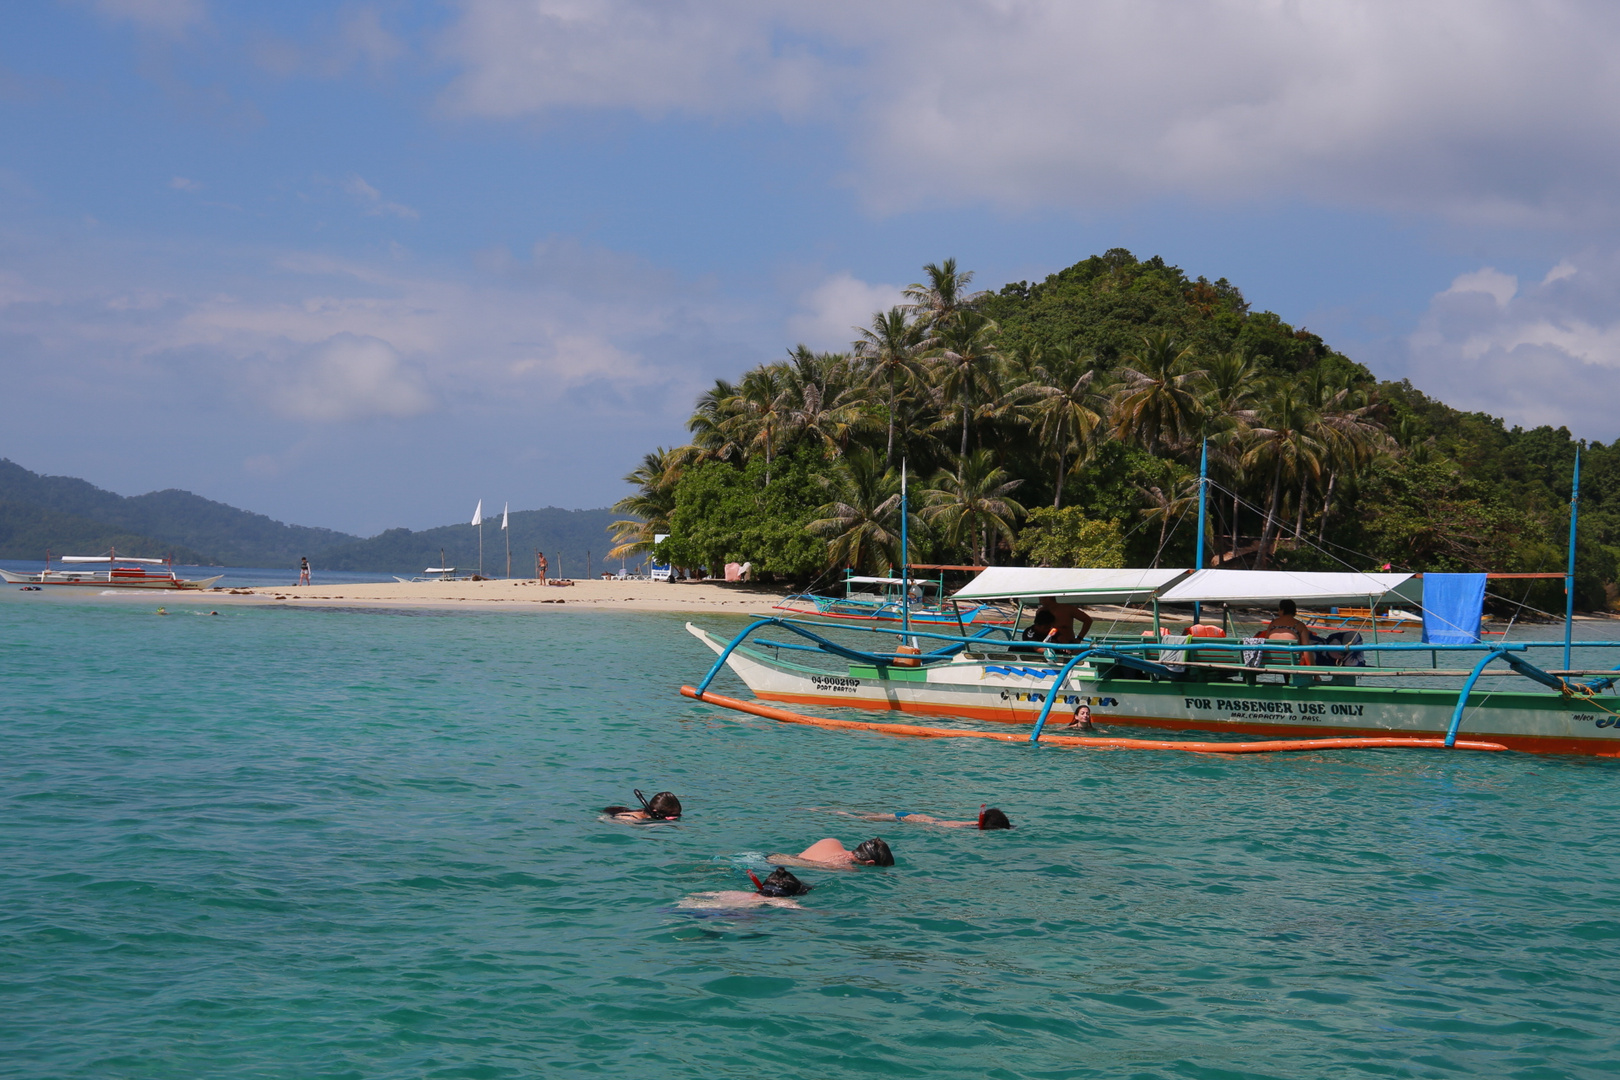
{"x":504,"y":511}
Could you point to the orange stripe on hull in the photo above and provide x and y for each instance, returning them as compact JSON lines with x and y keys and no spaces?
{"x":1094,"y":742}
{"x":1529,"y":744}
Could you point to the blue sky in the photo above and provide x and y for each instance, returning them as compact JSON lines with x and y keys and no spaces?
{"x":361,"y":264}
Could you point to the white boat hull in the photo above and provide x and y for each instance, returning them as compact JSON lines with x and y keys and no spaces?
{"x":1013,"y":692}
{"x":100,"y":579}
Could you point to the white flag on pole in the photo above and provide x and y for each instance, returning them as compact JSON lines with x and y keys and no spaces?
{"x":478,"y":513}
{"x":504,"y":509}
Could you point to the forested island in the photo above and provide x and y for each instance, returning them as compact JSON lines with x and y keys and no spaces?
{"x":1061,"y":423}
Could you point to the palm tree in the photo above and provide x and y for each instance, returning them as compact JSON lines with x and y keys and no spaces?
{"x":944,"y":293}
{"x":862,"y":516}
{"x":652,"y":502}
{"x":975,"y":504}
{"x":1283,"y":442}
{"x":890,"y":348}
{"x":1166,"y":508}
{"x":823,"y":403}
{"x":965,"y":365}
{"x":1158,"y":402}
{"x":758,"y":412}
{"x":1064,"y":407}
{"x":708,"y":422}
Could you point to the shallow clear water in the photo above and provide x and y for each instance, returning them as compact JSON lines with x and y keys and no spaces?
{"x":360,"y":844}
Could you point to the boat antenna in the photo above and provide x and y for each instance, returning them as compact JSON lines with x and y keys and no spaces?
{"x":1203,"y":491}
{"x":1569,"y":576}
{"x":905,"y":559}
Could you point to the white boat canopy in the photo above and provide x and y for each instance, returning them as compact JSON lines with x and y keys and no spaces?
{"x":107,"y":558}
{"x":1302,"y":587}
{"x":1070,"y":585}
{"x":440,"y":570}
{"x":925,"y":582}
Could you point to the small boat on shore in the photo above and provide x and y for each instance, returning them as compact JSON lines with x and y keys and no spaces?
{"x":108,"y":571}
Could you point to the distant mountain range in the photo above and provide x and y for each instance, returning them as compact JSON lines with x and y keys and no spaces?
{"x":69,"y":516}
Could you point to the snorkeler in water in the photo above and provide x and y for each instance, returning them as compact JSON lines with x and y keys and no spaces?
{"x":830,"y":854}
{"x":989,"y":818}
{"x":777,"y":890}
{"x":663,"y":806}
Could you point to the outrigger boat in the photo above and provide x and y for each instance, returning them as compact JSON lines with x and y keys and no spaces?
{"x":1210,"y":679}
{"x":120,"y":572}
{"x":885,"y":600}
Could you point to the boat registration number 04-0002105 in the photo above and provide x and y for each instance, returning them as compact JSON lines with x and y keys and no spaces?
{"x":1308,"y":710}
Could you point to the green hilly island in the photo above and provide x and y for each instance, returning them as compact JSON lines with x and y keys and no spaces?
{"x":66,"y":515}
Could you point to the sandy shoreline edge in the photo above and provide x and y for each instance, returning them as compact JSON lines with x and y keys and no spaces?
{"x":521,"y":594}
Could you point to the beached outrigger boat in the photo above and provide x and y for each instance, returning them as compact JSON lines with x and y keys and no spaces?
{"x":881,"y":600}
{"x":119,"y":572}
{"x":1190,"y":683}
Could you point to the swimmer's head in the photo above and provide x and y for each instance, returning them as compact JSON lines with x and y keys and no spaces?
{"x":661,"y":807}
{"x":780,"y":883}
{"x":991,"y":818}
{"x":874,"y":851}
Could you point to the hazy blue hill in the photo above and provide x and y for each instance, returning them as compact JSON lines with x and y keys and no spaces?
{"x":28,"y":531}
{"x":564,"y":535}
{"x":207,"y":530}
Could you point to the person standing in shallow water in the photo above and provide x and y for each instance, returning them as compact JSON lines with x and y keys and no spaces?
{"x":303,"y":570}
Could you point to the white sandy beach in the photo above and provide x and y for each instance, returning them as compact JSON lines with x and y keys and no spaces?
{"x":518,"y":594}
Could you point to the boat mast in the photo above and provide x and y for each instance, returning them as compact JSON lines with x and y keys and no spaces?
{"x":1569,"y":576}
{"x":1203,"y":490}
{"x":905,"y":559}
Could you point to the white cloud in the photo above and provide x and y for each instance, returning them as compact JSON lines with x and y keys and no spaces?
{"x":346,"y":377}
{"x":1489,"y":281}
{"x":181,"y":183}
{"x":1549,"y":354}
{"x":373,"y":202}
{"x":830,"y":313}
{"x":1490,"y":110}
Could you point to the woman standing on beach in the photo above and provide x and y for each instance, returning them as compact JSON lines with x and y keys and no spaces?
{"x":540,"y":565}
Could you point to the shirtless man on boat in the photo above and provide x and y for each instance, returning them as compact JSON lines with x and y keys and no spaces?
{"x":830,"y":854}
{"x":1287,"y":622}
{"x":1064,"y":616}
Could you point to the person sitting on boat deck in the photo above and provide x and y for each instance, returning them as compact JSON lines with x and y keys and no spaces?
{"x":663,"y":806}
{"x":989,"y":818}
{"x":775,"y":891}
{"x":830,"y":854}
{"x":1064,"y":616}
{"x":1286,"y":623}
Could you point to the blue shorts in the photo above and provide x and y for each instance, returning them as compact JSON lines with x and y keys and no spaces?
{"x":901,"y":815}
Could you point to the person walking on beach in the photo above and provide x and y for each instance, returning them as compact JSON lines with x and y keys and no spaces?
{"x":303,"y":570}
{"x":540,"y":565}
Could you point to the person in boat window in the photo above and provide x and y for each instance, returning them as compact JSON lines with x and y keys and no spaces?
{"x":989,"y":818}
{"x":830,"y":854}
{"x":1288,"y":623}
{"x":1038,"y":631}
{"x":663,"y":806}
{"x":1064,"y":616}
{"x":303,"y":570}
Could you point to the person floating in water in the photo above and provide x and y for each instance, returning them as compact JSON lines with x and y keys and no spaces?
{"x":1082,"y":718}
{"x":830,"y":854}
{"x":775,"y":891}
{"x":663,"y":806}
{"x":162,"y":611}
{"x":989,"y":818}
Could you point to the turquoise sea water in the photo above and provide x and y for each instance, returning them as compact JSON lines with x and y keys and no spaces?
{"x":316,"y":843}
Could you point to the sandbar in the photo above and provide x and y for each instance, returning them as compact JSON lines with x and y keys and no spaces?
{"x":522,"y":594}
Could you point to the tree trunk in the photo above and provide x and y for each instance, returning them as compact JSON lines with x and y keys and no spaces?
{"x":1268,"y":532}
{"x":1234,"y":523}
{"x":1299,"y":515}
{"x":1057,"y":500}
{"x":1327,"y":505}
{"x":964,"y":429}
{"x":888,"y":458}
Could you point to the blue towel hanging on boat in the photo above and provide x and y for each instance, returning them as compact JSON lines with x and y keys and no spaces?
{"x":1453,"y":605}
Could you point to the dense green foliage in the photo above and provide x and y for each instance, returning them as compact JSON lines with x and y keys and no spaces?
{"x":1091,"y":394}
{"x":724,"y":514}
